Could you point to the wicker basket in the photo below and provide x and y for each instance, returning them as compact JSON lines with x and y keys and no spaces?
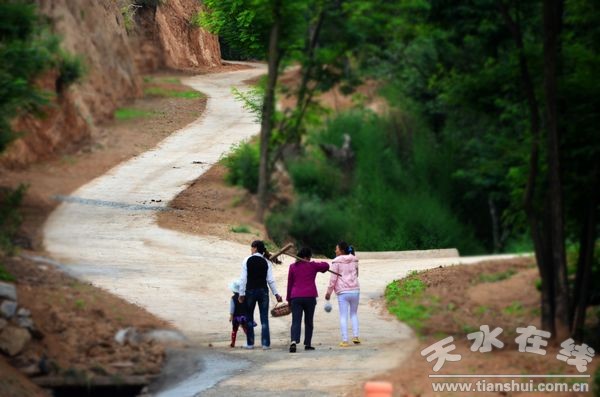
{"x":281,"y":309}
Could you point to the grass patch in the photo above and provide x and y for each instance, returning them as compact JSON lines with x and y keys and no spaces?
{"x":123,"y":114}
{"x":481,"y":310}
{"x":5,"y":275}
{"x":403,"y":298}
{"x":166,"y":93}
{"x":494,"y":277}
{"x":169,"y":80}
{"x":514,"y":309}
{"x":240,"y":229}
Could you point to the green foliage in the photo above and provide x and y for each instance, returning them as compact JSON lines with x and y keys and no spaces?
{"x":519,"y":245}
{"x":396,"y":197}
{"x":311,"y":222}
{"x":514,"y":309}
{"x":128,"y":12}
{"x":481,"y":310}
{"x":79,"y":304}
{"x":27,"y":50}
{"x":164,"y":93}
{"x":242,"y":166}
{"x":495,"y":277}
{"x":5,"y":275}
{"x":404,"y":300}
{"x":316,"y":177}
{"x":240,"y":229}
{"x":252,"y":100}
{"x":132,"y":113}
{"x":10,"y":219}
{"x":243,"y":24}
{"x":70,"y":70}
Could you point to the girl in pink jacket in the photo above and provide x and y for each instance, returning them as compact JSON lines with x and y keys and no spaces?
{"x":346,"y":288}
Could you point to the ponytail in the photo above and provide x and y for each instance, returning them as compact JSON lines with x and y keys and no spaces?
{"x":346,"y":248}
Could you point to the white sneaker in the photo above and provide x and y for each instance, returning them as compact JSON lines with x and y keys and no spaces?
{"x":248,"y":347}
{"x":266,"y":347}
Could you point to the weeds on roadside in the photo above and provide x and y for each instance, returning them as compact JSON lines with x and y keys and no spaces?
{"x":494,"y":277}
{"x":404,"y":300}
{"x":240,"y":229}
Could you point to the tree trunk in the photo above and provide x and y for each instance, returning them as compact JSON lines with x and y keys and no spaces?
{"x":495,"y":224}
{"x":552,"y":27}
{"x":534,"y":219}
{"x":268,"y":111}
{"x":584,"y":264}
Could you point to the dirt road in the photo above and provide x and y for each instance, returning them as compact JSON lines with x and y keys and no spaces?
{"x":106,"y":233}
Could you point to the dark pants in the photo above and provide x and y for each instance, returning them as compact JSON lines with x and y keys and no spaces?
{"x":261,"y":297}
{"x":306,"y":305}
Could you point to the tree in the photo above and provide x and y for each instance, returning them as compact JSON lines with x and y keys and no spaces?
{"x":501,"y":75}
{"x":285,"y":33}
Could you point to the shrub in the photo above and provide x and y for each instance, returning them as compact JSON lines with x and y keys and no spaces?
{"x":398,"y":195}
{"x":70,"y":70}
{"x":315,"y":177}
{"x":5,"y":275}
{"x":242,"y":166}
{"x":310,"y":222}
{"x":10,"y":219}
{"x":26,"y":50}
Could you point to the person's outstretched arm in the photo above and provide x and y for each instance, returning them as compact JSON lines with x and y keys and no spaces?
{"x":332,"y":280}
{"x":271,"y":281}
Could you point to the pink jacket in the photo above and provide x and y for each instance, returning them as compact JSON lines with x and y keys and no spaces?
{"x":347,"y":266}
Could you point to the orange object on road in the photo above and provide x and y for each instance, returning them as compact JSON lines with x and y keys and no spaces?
{"x":378,"y":389}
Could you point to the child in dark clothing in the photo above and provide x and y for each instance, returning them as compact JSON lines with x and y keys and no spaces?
{"x":237,"y":313}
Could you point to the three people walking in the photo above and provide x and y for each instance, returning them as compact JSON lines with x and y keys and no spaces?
{"x":257,"y":277}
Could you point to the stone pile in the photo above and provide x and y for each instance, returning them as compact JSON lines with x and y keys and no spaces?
{"x":16,"y":325}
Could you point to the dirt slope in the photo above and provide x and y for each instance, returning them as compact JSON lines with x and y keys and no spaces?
{"x":116,"y":47}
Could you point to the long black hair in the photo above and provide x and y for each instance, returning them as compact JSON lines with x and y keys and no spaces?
{"x":261,"y":249}
{"x":346,"y":248}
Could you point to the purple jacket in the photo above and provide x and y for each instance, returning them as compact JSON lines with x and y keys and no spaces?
{"x":301,"y":279}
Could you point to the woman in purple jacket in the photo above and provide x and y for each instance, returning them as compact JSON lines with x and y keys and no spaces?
{"x":302,"y":295}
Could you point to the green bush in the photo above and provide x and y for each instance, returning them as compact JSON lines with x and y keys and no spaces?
{"x":242,"y":166}
{"x":397,"y":197}
{"x":310,"y":222}
{"x":26,"y":50}
{"x":5,"y":275}
{"x":70,"y":70}
{"x":316,"y":178}
{"x":10,"y":218}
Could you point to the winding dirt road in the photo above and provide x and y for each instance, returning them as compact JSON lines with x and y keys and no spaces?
{"x":106,"y":233}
